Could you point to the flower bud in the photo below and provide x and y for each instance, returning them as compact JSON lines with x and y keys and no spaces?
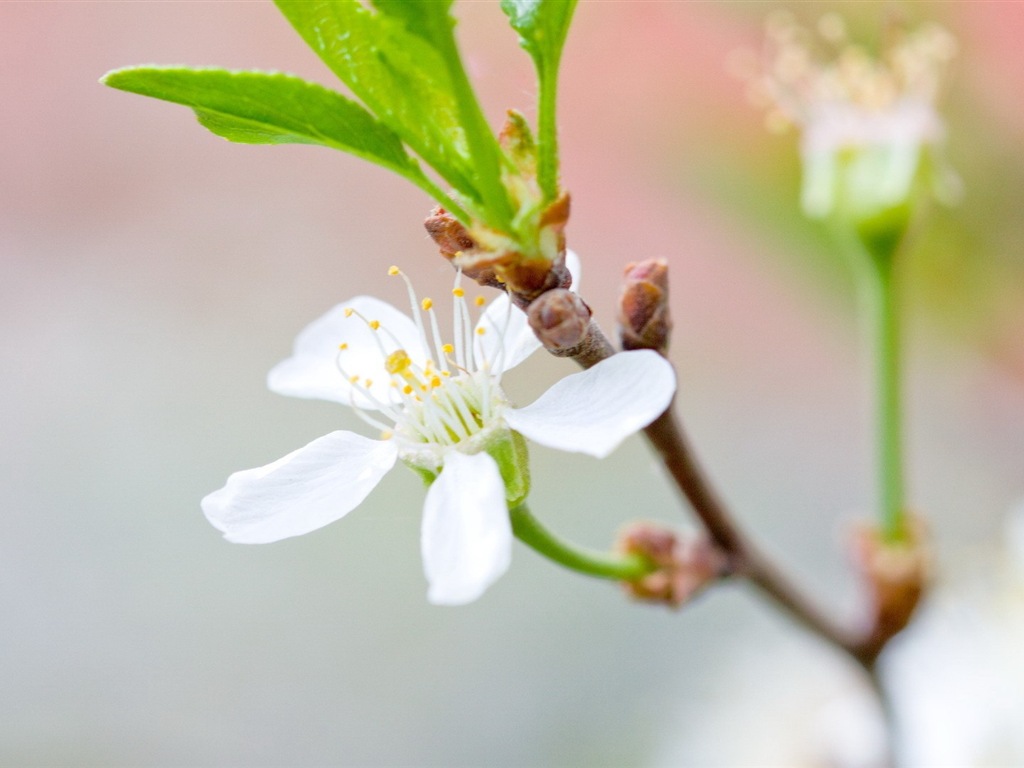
{"x":454,"y":240}
{"x":560,"y":319}
{"x":895,"y":575}
{"x":645,"y":321}
{"x":683,"y":566}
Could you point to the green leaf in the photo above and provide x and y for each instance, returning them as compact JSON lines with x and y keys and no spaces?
{"x":399,"y":76}
{"x":270,"y":108}
{"x":542,"y":26}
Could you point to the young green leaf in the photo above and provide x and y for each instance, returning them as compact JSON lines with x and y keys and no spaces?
{"x":269,"y":108}
{"x":542,"y":26}
{"x":398,"y":76}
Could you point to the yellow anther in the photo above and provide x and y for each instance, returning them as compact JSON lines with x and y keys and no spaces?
{"x":343,"y":346}
{"x":393,"y":270}
{"x":435,"y":382}
{"x":479,"y":301}
{"x":407,"y":389}
{"x":448,"y":349}
{"x":375,"y":324}
{"x":481,"y":331}
{"x":349,"y":311}
{"x":458,"y":293}
{"x":387,"y":434}
{"x":446,"y":374}
{"x":427,"y":304}
{"x":354,"y":379}
{"x":397,"y":362}
{"x":369,"y":383}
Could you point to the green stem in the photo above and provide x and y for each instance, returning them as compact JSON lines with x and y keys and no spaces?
{"x":879,"y":286}
{"x":483,"y":147}
{"x":547,"y":130}
{"x":530,"y":531}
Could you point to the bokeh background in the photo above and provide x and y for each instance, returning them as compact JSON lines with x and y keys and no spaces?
{"x":152,"y":274}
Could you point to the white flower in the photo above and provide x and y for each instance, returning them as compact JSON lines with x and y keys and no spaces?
{"x":440,"y":409}
{"x":865,"y":123}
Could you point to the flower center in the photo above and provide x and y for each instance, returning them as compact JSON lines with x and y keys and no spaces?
{"x":439,"y":394}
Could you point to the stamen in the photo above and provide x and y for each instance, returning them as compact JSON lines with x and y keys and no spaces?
{"x":460,"y":357}
{"x":413,"y":305}
{"x":479,"y":301}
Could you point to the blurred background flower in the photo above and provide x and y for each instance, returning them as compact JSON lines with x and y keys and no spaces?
{"x":153,"y":273}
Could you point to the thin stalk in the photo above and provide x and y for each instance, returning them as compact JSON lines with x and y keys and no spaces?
{"x":547,"y":133}
{"x":483,"y":147}
{"x":530,"y":531}
{"x":879,"y":287}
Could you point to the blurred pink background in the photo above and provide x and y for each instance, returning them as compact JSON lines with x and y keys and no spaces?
{"x":153,"y":273}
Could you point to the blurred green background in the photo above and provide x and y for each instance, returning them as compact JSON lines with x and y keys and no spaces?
{"x":152,"y":274}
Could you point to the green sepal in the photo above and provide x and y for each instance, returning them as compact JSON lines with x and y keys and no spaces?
{"x":510,"y":453}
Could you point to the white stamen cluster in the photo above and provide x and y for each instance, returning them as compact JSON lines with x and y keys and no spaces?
{"x":450,"y":397}
{"x":802,"y":71}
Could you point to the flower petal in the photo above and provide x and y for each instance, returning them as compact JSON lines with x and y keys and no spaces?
{"x":507,"y":339}
{"x":575,"y":267}
{"x":593,"y":411}
{"x":305,"y":490}
{"x":503,"y":336}
{"x":467,"y":535}
{"x":315,"y":368}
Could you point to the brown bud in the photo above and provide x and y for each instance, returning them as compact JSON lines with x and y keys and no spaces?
{"x":644,"y":318}
{"x":454,"y":240}
{"x":684,"y":566}
{"x":498,"y":260}
{"x":560,"y":319}
{"x":448,"y":232}
{"x":895,"y":575}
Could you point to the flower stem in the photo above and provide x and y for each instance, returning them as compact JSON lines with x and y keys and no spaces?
{"x":547,"y":145}
{"x":879,"y":287}
{"x":530,"y":531}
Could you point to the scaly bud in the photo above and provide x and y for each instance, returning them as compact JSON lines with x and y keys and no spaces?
{"x":684,"y":566}
{"x":895,"y":575}
{"x":560,"y":319}
{"x":528,"y":259}
{"x":644,"y":318}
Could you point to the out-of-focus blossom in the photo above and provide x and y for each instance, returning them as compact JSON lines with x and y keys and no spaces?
{"x":869,"y":129}
{"x":956,"y":677}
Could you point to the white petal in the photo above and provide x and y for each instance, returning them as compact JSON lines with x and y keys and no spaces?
{"x":305,"y":490}
{"x":575,"y":267}
{"x":507,"y":339}
{"x":467,"y":536}
{"x":313,"y":369}
{"x":593,"y":411}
